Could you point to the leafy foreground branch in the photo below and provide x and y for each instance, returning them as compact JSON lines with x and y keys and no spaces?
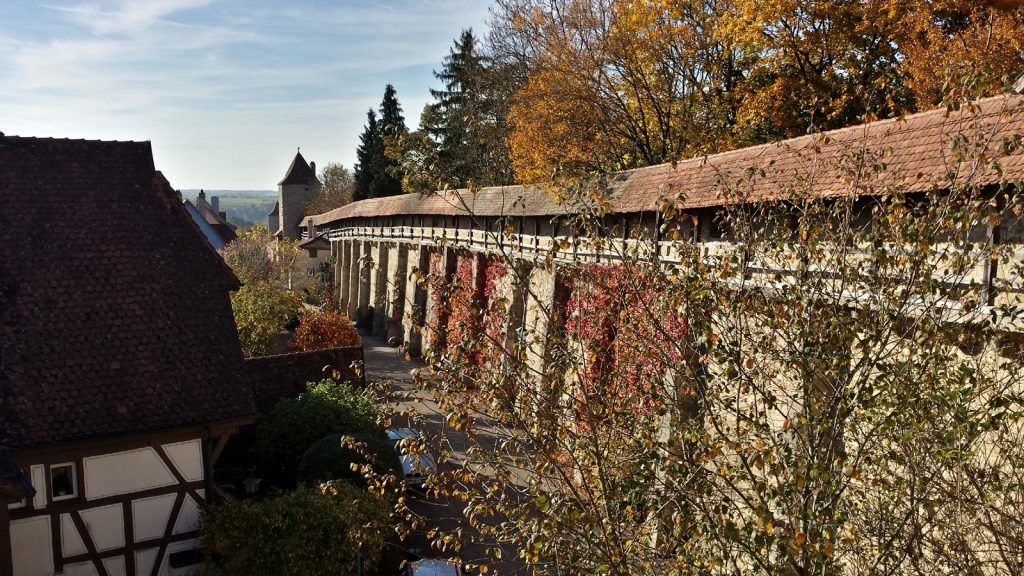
{"x":828,"y":390}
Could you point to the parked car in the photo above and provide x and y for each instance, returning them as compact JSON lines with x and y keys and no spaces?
{"x":416,"y":467}
{"x":432,"y":567}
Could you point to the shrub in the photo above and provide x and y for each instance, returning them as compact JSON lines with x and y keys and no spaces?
{"x":295,"y":423}
{"x":332,"y":457}
{"x":307,"y":532}
{"x":324,"y":329}
{"x":261,"y":312}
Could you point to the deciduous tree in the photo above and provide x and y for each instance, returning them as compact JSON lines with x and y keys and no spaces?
{"x":337,"y":186}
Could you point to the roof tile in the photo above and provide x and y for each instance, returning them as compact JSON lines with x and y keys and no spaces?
{"x":115,"y":311}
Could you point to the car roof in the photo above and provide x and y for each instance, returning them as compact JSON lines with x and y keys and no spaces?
{"x":434,"y":567}
{"x":401,"y":433}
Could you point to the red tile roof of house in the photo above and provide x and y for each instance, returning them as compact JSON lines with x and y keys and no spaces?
{"x":114,"y":312}
{"x":913,"y":154}
{"x":221,"y":225}
{"x":318,"y":242}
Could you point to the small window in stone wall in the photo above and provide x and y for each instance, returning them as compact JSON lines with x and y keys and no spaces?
{"x":63,"y":481}
{"x":312,"y":252}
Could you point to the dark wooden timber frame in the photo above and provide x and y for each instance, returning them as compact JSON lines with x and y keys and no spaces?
{"x":212,"y":439}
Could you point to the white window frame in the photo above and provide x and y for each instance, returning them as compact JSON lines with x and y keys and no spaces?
{"x":74,"y":482}
{"x":18,"y":505}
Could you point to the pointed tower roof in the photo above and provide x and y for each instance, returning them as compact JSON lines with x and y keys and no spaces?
{"x":299,"y":172}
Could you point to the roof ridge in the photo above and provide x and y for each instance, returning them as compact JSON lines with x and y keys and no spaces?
{"x":77,"y":140}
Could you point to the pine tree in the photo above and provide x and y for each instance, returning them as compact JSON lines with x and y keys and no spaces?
{"x":369,"y":143}
{"x":465,"y":122}
{"x":392,"y":128}
{"x":376,"y":173}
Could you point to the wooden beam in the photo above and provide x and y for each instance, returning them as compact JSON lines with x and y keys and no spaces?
{"x":177,"y":474}
{"x":168,"y":532}
{"x":222,"y":441}
{"x":90,"y":547}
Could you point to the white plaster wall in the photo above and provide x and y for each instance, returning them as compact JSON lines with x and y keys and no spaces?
{"x":71,"y":541}
{"x":30,"y":545}
{"x":80,"y":569}
{"x":115,"y":566}
{"x":38,"y":474}
{"x":188,"y":518}
{"x":187,"y":458}
{"x":124,"y":472}
{"x":144,"y":560}
{"x":106,"y":526}
{"x":150,"y":515}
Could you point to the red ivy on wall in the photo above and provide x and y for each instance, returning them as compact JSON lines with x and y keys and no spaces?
{"x":437,"y":284}
{"x":495,"y":320}
{"x":464,"y":309}
{"x":627,"y":336}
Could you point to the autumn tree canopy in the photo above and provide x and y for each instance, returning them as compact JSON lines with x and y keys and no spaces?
{"x":603,"y":85}
{"x":337,"y":187}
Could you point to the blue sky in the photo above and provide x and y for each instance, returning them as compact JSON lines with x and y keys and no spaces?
{"x":225,"y":89}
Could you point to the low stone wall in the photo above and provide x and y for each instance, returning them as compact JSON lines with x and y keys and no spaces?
{"x":286,"y":375}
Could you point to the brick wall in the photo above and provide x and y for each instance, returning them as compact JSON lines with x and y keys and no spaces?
{"x":275,"y":377}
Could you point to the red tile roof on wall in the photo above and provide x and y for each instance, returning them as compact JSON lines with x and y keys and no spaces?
{"x":915,"y":153}
{"x":114,"y":312}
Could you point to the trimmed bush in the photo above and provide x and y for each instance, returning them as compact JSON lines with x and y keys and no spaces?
{"x":332,"y":457}
{"x":303,"y":533}
{"x":296,"y":423}
{"x":325,"y":329}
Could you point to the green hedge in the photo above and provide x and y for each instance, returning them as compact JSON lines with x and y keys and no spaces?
{"x":296,"y":423}
{"x":308,"y":532}
{"x":332,"y":457}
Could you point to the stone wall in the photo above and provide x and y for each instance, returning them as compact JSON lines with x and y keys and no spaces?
{"x":273,"y":378}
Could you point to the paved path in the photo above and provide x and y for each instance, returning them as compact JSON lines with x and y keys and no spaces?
{"x":386,"y":363}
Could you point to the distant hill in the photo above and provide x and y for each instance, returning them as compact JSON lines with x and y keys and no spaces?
{"x":244,"y":207}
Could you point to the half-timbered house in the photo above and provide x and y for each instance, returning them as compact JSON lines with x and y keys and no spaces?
{"x":121,"y":376}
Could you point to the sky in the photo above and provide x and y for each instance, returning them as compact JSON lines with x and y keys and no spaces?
{"x":226,"y":90}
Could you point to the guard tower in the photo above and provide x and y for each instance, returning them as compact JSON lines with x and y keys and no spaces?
{"x":298,"y":186}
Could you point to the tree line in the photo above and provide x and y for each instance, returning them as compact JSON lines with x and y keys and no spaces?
{"x":567,"y":88}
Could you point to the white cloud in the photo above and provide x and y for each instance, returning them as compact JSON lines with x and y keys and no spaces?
{"x":225,"y":89}
{"x":131,"y":17}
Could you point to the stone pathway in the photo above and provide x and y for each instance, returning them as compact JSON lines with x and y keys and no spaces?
{"x":384,"y":362}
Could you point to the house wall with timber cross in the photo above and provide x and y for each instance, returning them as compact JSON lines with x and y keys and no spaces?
{"x":121,"y":375}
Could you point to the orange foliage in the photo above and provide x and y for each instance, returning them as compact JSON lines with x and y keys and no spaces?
{"x":944,"y":38}
{"x":325,"y":329}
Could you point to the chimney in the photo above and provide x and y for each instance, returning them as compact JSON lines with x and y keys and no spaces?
{"x":312,"y":166}
{"x":223,"y":215}
{"x":310,"y":228}
{"x":215,"y":203}
{"x":201,"y":196}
